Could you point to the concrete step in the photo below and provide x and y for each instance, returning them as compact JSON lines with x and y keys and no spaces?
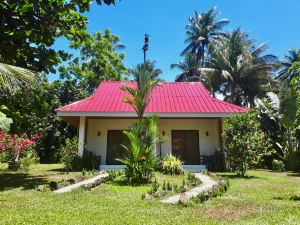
{"x":195,"y":168}
{"x":111,"y":167}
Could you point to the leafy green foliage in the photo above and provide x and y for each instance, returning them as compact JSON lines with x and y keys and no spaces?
{"x":154,"y":187}
{"x":291,"y":67}
{"x":4,"y":120}
{"x":30,"y":28}
{"x":69,"y":155}
{"x":139,"y":96}
{"x":189,"y":69}
{"x":98,"y":61}
{"x":172,"y":165}
{"x":34,"y":112}
{"x":245,"y":142}
{"x":13,"y":77}
{"x":140,"y":158}
{"x":239,"y":70}
{"x":278,"y":165}
{"x":191,"y":177}
{"x":30,"y":158}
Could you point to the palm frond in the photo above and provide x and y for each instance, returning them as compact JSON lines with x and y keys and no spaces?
{"x":13,"y":77}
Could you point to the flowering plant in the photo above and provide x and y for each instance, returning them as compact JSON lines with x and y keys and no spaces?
{"x":14,"y":145}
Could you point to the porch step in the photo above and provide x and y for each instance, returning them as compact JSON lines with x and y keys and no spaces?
{"x":191,"y":168}
{"x":195,"y":168}
{"x":112,"y":167}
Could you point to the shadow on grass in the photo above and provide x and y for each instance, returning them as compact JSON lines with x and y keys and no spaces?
{"x":20,"y":180}
{"x":291,"y":174}
{"x":235,"y":176}
{"x":123,"y":182}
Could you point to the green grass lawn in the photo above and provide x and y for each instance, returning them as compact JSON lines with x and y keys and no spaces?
{"x":262,"y":198}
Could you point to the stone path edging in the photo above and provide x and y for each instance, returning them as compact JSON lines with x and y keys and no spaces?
{"x":79,"y":184}
{"x":207,"y":184}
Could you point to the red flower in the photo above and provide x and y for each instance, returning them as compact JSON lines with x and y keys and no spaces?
{"x":36,"y":136}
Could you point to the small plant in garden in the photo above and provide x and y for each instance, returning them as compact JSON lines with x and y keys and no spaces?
{"x":191,"y":177}
{"x":183,"y":182}
{"x":164,"y":187}
{"x":112,"y":174}
{"x":154,"y":187}
{"x":69,"y":155}
{"x":246,"y":144}
{"x":201,"y":198}
{"x":172,"y":165}
{"x":278,"y":165}
{"x":29,"y":159}
{"x":169,"y":186}
{"x":175,"y":187}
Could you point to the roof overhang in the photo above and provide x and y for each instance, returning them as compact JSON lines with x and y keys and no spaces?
{"x":133,"y":115}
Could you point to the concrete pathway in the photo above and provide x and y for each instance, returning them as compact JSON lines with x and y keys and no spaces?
{"x":207,"y":184}
{"x":79,"y":184}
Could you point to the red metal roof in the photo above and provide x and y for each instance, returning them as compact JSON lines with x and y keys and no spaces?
{"x":169,"y":97}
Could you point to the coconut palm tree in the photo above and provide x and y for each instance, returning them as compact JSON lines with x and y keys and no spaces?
{"x":203,"y":29}
{"x":13,"y":77}
{"x":188,"y":68}
{"x":244,"y":72}
{"x":289,"y":67}
{"x":151,"y":67}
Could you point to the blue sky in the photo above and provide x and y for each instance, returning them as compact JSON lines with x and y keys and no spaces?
{"x":273,"y":21}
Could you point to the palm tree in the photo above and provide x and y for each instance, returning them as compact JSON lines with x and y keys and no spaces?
{"x":140,"y":158}
{"x":202,"y":30}
{"x":242,"y":70}
{"x":189,"y":68}
{"x":13,"y":77}
{"x":288,"y":68}
{"x":140,"y":95}
{"x":151,"y":67}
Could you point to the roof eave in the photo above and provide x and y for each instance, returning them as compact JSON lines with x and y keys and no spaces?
{"x":161,"y":115}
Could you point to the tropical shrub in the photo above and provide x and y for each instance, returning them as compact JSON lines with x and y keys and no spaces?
{"x":277,"y":165}
{"x":140,"y":157}
{"x":246,"y":144}
{"x":14,"y":146}
{"x":69,"y":155}
{"x":172,"y":165}
{"x":30,"y":158}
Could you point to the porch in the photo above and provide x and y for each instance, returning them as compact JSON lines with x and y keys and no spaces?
{"x":193,"y":140}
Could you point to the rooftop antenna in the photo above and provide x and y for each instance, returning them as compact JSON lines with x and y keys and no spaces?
{"x":146,"y":46}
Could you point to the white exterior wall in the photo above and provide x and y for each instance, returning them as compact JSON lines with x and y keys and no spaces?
{"x":207,"y":144}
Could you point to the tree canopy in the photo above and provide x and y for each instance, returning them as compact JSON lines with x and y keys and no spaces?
{"x":29,"y":29}
{"x":98,"y":61}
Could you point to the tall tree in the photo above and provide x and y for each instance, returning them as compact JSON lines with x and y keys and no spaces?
{"x":203,"y":29}
{"x":290,"y":68}
{"x":29,"y":29}
{"x":242,"y":67}
{"x":151,"y":67}
{"x":98,"y":61}
{"x":189,"y":68}
{"x":140,"y":95}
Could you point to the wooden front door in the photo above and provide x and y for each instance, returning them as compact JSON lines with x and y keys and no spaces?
{"x":114,"y":149}
{"x":185,"y":145}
